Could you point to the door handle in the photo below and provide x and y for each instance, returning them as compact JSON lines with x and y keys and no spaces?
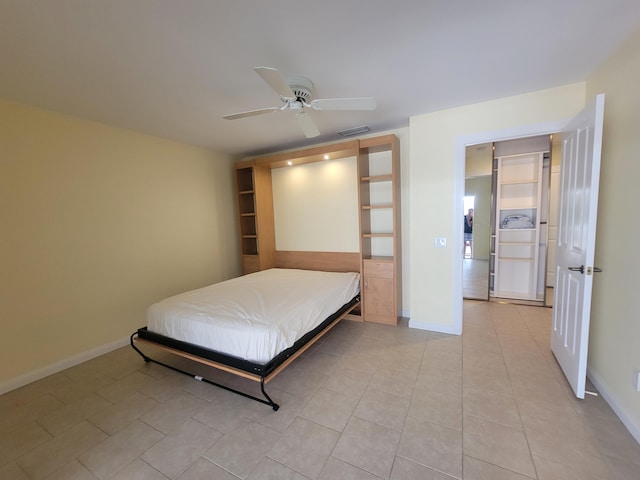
{"x":590,"y":270}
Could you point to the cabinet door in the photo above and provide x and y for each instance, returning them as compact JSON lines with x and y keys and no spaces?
{"x":378,"y":300}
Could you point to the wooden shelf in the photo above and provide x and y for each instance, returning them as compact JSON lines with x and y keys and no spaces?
{"x":378,"y":258}
{"x":378,"y":235}
{"x":377,"y":178}
{"x":375,"y":207}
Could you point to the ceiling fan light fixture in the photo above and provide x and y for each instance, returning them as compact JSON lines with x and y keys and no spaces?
{"x":294,"y":105}
{"x":350,"y":132}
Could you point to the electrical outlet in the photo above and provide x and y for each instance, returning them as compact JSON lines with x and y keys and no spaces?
{"x":637,"y":379}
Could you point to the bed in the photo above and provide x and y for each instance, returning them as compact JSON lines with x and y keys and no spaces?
{"x":252,"y":326}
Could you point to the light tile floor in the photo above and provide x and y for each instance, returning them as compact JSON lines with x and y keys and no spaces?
{"x":369,"y":402}
{"x":475,"y":279}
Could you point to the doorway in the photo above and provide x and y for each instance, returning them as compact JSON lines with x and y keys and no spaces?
{"x":587,"y":126}
{"x":479,"y":272}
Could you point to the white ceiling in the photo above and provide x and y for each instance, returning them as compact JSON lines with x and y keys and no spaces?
{"x":174,"y":68}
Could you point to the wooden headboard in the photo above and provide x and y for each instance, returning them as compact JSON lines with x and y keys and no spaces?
{"x":325,"y":261}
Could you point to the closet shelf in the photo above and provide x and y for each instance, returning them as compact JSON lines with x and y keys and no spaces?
{"x":519,"y":181}
{"x":517,"y":206}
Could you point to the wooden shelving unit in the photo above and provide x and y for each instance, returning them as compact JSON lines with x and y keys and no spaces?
{"x":379,"y":197}
{"x":255,"y":211}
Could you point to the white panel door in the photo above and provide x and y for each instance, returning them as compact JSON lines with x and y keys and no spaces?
{"x":582,"y":145}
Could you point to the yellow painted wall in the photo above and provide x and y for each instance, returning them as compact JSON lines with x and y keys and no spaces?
{"x":434,"y":140}
{"x":96,"y":223}
{"x":614,"y":346}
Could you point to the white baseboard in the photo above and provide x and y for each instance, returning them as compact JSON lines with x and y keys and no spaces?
{"x":40,"y":373}
{"x":434,"y":327}
{"x":610,"y":398}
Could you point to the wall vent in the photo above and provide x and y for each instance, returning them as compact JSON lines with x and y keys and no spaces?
{"x":350,"y":132}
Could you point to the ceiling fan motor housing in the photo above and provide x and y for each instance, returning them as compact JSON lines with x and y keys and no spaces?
{"x":301,"y":88}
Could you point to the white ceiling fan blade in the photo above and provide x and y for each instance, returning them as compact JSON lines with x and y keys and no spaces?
{"x":250,"y":113}
{"x":275,"y":81}
{"x":306,"y":123}
{"x":366,"y":103}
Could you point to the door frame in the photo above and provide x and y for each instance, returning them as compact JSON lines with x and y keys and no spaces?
{"x":462,"y":142}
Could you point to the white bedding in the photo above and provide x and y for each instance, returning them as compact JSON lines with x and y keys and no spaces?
{"x":256,"y":316}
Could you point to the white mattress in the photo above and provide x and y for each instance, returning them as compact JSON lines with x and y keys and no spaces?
{"x":256,"y":316}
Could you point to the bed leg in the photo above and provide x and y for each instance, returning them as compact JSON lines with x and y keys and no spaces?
{"x":133,"y":345}
{"x":274,"y":405}
{"x":266,"y":401}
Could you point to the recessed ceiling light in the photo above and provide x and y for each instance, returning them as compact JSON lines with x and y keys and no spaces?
{"x":326,"y":157}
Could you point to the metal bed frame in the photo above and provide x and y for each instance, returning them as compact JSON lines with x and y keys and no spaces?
{"x":258,"y":372}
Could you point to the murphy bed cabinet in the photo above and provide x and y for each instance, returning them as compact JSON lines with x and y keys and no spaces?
{"x":517,"y":230}
{"x":379,"y":196}
{"x":255,"y":210}
{"x":379,"y":229}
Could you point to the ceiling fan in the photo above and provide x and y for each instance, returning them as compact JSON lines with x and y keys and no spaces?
{"x":295,"y":95}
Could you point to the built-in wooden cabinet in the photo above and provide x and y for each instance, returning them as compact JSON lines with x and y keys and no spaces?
{"x":379,"y":197}
{"x":378,"y":280}
{"x":379,"y":222}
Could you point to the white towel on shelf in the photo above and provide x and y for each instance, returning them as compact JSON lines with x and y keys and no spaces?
{"x":517,"y":221}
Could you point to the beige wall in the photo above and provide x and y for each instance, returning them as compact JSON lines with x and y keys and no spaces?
{"x":614,"y":347}
{"x":95,"y":224}
{"x":436,"y":155}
